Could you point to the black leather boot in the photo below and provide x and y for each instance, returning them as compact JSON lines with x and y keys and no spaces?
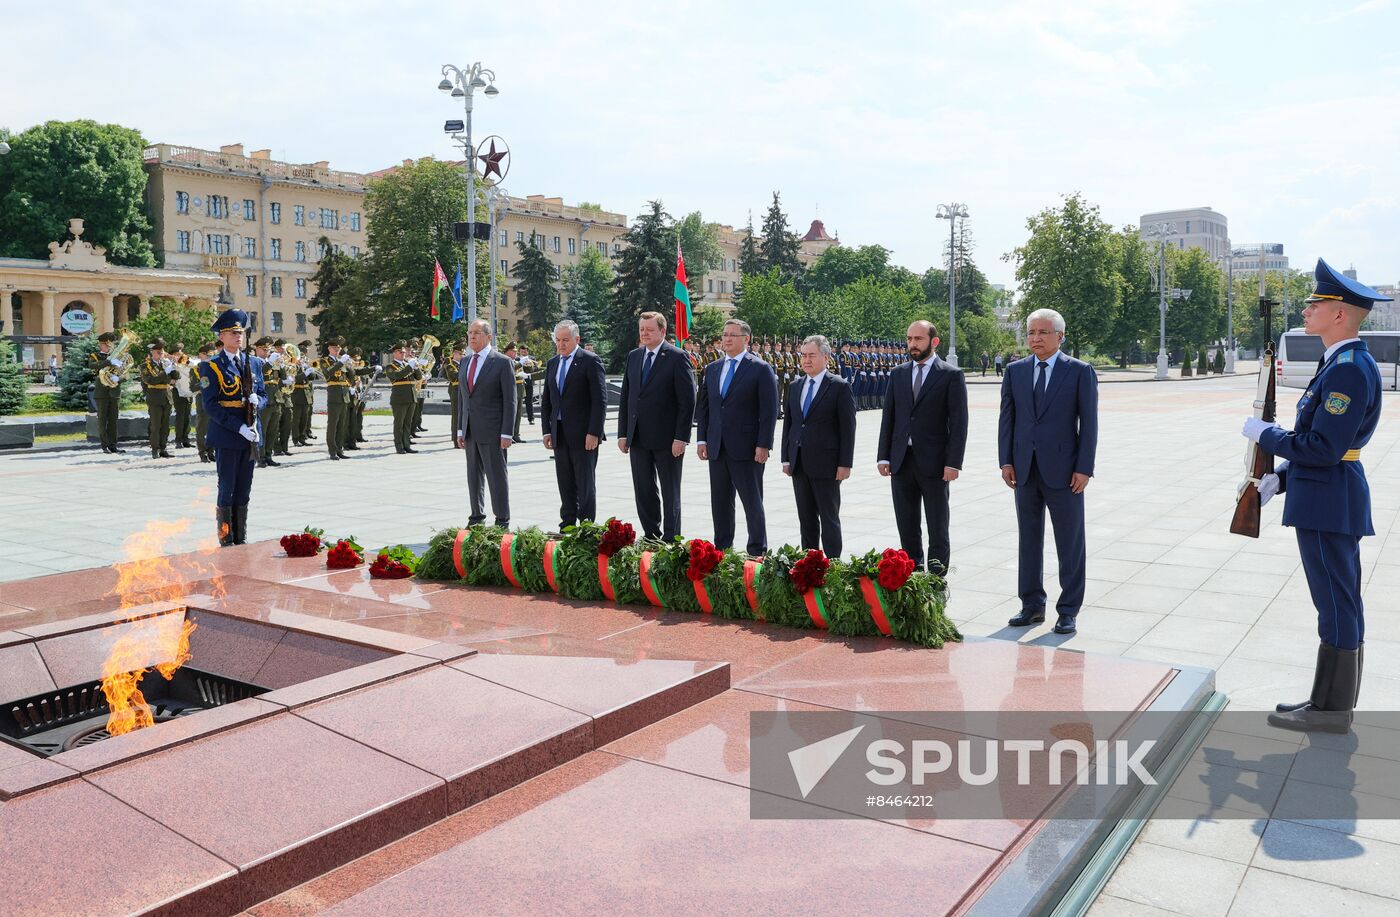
{"x":224,"y":514}
{"x":240,"y":524}
{"x":1317,"y":687}
{"x":1334,"y":695}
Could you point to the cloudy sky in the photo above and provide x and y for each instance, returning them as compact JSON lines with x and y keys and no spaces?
{"x":1280,"y":115}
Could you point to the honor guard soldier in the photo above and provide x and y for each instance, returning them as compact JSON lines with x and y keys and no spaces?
{"x":183,"y":395}
{"x":232,"y":390}
{"x":512,"y":353}
{"x":108,"y":397}
{"x":1328,"y":501}
{"x":280,"y":388}
{"x":157,"y":373}
{"x":403,"y":379}
{"x":269,"y":412}
{"x":355,"y":419}
{"x":303,"y":398}
{"x":451,"y":371}
{"x":337,"y":370}
{"x":201,"y":417}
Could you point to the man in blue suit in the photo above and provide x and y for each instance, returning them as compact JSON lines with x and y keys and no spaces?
{"x":1328,"y":499}
{"x":229,"y":385}
{"x":735,"y":415}
{"x":1047,"y":436}
{"x":575,"y":401}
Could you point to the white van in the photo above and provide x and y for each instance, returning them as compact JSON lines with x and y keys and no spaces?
{"x":1298,"y":354}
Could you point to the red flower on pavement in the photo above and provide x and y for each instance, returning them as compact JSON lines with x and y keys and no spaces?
{"x":810,"y":572}
{"x":895,"y":568}
{"x":618,"y":536}
{"x":343,"y":557}
{"x":302,"y":544}
{"x":704,"y":557}
{"x":385,"y":567}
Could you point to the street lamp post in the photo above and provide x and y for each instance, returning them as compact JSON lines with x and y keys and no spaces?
{"x":1230,"y":311}
{"x":493,"y":199}
{"x":1161,"y":231}
{"x":951,"y":213}
{"x":462,"y":84}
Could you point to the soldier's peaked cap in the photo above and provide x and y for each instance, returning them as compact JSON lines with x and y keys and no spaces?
{"x":1332,"y":284}
{"x":232,"y":320}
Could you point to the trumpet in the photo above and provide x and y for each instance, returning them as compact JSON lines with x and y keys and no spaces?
{"x":111,"y":376}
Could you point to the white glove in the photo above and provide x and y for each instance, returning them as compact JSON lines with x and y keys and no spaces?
{"x":248,"y":433}
{"x":378,"y":368}
{"x":274,"y":358}
{"x":114,"y":361}
{"x":168,"y":364}
{"x":1267,"y":487}
{"x":256,"y":401}
{"x":1254,"y":428}
{"x":345,"y":359}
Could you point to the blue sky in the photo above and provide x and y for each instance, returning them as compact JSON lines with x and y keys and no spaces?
{"x":1282,"y":116}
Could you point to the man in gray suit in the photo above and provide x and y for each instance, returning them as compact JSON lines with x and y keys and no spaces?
{"x":486,"y":422}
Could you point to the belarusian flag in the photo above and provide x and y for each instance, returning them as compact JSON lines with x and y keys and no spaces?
{"x":439,"y":287}
{"x":683,"y":313}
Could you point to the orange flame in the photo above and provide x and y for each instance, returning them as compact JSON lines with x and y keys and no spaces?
{"x":147,"y":640}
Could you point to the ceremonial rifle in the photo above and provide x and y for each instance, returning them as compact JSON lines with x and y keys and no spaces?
{"x":250,"y":413}
{"x":1257,"y":461}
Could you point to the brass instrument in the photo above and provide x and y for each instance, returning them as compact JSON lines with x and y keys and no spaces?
{"x":111,"y":376}
{"x":291,"y":357}
{"x":426,"y":352}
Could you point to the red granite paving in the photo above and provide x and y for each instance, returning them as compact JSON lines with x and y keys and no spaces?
{"x":391,"y":730}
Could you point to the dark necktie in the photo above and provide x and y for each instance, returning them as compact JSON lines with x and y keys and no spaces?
{"x":646,"y":366}
{"x":1040,"y":384}
{"x":563,"y":375}
{"x":919,"y":381}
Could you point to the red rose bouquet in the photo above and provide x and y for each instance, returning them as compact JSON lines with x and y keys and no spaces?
{"x":343,"y":556}
{"x":810,"y":572}
{"x":617,"y":536}
{"x":301,"y":544}
{"x":895,"y":568}
{"x":704,"y":557}
{"x":385,"y":567}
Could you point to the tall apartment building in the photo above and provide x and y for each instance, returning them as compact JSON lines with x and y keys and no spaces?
{"x":256,"y":222}
{"x":1199,"y":227}
{"x":1246,"y":258}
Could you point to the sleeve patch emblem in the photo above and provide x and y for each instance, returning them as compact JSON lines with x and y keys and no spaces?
{"x":1337,"y":403}
{"x":203,"y":381}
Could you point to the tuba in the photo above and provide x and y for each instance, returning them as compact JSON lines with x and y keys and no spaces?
{"x":426,"y":353}
{"x":111,"y":376}
{"x":293,"y":357}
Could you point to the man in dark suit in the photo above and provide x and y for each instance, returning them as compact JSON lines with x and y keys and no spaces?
{"x":571,"y":411}
{"x":819,"y":440}
{"x":486,"y":422}
{"x":653,"y":425}
{"x":735,"y":414}
{"x":1046,"y":439}
{"x":923,"y":435}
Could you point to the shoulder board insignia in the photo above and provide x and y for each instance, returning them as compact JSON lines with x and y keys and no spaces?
{"x":1337,"y":403}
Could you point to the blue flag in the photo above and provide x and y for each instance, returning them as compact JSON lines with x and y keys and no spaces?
{"x":457,"y":312}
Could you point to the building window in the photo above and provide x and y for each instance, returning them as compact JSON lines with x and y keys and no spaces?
{"x":300,"y":252}
{"x":556,"y":272}
{"x":520,"y":235}
{"x":298,"y":214}
{"x":330,"y":219}
{"x":250,"y":282}
{"x":709,"y":286}
{"x":217,"y":244}
{"x":602,"y":248}
{"x":617,"y":248}
{"x":276,"y":322}
{"x":355,"y":252}
{"x":573,"y":246}
{"x":182,"y":240}
{"x":505,"y":266}
{"x":555,"y":245}
{"x":276,"y":288}
{"x":355,"y":221}
{"x":274,"y":212}
{"x":1188,"y":227}
{"x":249,"y":210}
{"x":252,"y":323}
{"x":301,"y":288}
{"x":218,"y":206}
{"x":301,"y":323}
{"x":502,"y":238}
{"x":275,"y":251}
{"x":322,"y":249}
{"x":182,"y":202}
{"x":250,"y":248}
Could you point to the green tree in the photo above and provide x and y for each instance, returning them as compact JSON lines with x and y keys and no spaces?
{"x":1137,"y":316}
{"x":969,"y":281}
{"x":75,"y":377}
{"x":700,"y":244}
{"x":709,"y":322}
{"x":13,"y":380}
{"x":333,"y":308}
{"x":534,"y":286}
{"x":63,"y":169}
{"x":176,"y":323}
{"x":771,"y":304}
{"x":839,"y":266}
{"x":868,"y":308}
{"x":778,"y":247}
{"x":587,"y":287}
{"x":1199,"y":320}
{"x":979,"y":334}
{"x":1070,"y":264}
{"x":645,"y":281}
